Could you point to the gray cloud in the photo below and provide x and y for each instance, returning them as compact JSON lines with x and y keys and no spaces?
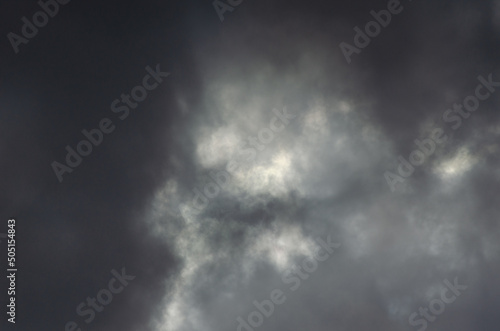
{"x":322,"y":175}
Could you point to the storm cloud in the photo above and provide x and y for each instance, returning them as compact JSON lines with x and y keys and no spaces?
{"x":254,"y":173}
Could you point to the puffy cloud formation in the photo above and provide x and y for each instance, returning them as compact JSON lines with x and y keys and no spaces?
{"x":216,"y":200}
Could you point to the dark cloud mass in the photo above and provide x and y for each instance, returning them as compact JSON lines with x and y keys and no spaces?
{"x":273,"y":166}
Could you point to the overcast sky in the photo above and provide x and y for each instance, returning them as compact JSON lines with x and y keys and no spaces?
{"x":268,"y":154}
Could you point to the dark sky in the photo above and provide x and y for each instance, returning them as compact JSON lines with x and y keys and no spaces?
{"x":322,"y":149}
